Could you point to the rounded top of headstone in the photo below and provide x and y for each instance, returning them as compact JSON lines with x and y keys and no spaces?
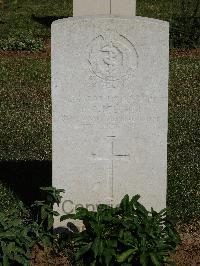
{"x":113,"y":17}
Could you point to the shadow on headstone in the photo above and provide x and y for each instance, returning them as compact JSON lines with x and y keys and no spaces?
{"x":66,"y":233}
{"x":69,"y":230}
{"x":26,"y":177}
{"x":46,"y":20}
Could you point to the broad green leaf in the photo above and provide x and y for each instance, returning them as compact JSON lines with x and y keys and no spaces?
{"x":112,"y":243}
{"x":98,"y":247}
{"x":46,"y":240}
{"x":7,"y":235}
{"x":5,"y":261}
{"x":125,"y":203}
{"x":68,"y":216}
{"x":38,"y":203}
{"x":128,"y":237}
{"x":144,"y":259}
{"x":154,"y":260}
{"x":50,"y":221}
{"x":11,"y":247}
{"x":163,"y":212}
{"x":83,"y":250}
{"x":109,"y":254}
{"x":130,"y":259}
{"x":125,"y":255}
{"x":93,"y":263}
{"x":55,"y":213}
{"x":20,"y":259}
{"x":141,"y":208}
{"x":43,"y":212}
{"x":103,"y":207}
{"x":135,"y":199}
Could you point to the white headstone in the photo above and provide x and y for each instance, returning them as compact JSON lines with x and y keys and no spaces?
{"x":110,"y":105}
{"x":123,"y":7}
{"x":91,"y":7}
{"x":104,"y":7}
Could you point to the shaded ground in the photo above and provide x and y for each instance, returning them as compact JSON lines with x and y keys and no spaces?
{"x":188,"y":253}
{"x":32,"y":19}
{"x":41,"y":257}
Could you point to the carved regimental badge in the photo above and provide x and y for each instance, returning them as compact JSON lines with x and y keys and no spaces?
{"x":112,"y":56}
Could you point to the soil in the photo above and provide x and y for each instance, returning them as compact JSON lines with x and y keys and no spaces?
{"x":47,"y":257}
{"x":188,"y":253}
{"x":193,"y":53}
{"x":45,"y":53}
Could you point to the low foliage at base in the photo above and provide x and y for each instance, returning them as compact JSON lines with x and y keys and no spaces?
{"x":125,"y":235}
{"x":19,"y":235}
{"x":16,"y":240}
{"x":21,"y":44}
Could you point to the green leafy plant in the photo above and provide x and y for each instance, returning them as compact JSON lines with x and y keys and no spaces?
{"x":18,"y":233}
{"x":16,"y":239}
{"x":125,"y":235}
{"x":7,"y":3}
{"x":21,"y":43}
{"x":44,"y":214}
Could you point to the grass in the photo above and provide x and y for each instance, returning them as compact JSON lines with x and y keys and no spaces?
{"x":25,"y":105}
{"x":27,"y":20}
{"x":167,"y":9}
{"x":25,"y":128}
{"x":32,"y":18}
{"x":183,"y":139}
{"x":183,"y":16}
{"x":25,"y":124}
{"x":8,"y":198}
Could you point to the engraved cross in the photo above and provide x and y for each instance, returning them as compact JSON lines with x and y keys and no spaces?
{"x":112,"y":157}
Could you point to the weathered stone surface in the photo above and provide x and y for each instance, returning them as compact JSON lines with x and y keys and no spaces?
{"x":91,"y":7}
{"x":110,"y":102}
{"x":123,"y":7}
{"x":103,"y":7}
